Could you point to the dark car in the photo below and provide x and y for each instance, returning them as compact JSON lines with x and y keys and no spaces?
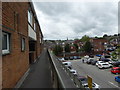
{"x":83,"y":79}
{"x":116,"y":63}
{"x":93,"y":62}
{"x":84,"y":82}
{"x":71,"y":58}
{"x":91,"y":56}
{"x":104,"y":59}
{"x":89,"y":61}
{"x":78,"y":57}
{"x":66,"y":58}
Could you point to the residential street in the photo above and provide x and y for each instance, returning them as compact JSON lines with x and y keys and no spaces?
{"x":103,"y":77}
{"x":39,"y":75}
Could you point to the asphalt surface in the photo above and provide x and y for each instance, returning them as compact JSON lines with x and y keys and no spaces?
{"x":102,"y":77}
{"x":40,"y":74}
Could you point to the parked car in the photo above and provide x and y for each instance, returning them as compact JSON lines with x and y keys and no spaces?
{"x":117,"y":63}
{"x":61,"y":59}
{"x":84,"y":82}
{"x":93,"y":62}
{"x":89,"y":60}
{"x":75,"y":57}
{"x":66,"y":58}
{"x":94,"y":86}
{"x":69,"y":67}
{"x":108,"y":57}
{"x":117,"y":79}
{"x":73,"y":71}
{"x":91,"y":56}
{"x":78,"y":57}
{"x":98,"y":55}
{"x":104,"y":59}
{"x":71,"y":58}
{"x":115,"y":70}
{"x":67,"y":64}
{"x":101,"y":64}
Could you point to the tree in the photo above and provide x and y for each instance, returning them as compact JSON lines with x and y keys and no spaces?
{"x":87,"y":47}
{"x":105,"y":35}
{"x":85,"y":38}
{"x":76,"y":46}
{"x":67,"y":48}
{"x":57,"y":50}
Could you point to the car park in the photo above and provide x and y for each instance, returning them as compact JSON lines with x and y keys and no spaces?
{"x":115,"y":70}
{"x":84,"y":82}
{"x":117,"y":79}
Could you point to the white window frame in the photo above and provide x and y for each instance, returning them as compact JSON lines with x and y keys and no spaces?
{"x":6,"y":51}
{"x":34,"y":26}
{"x":29,"y":16}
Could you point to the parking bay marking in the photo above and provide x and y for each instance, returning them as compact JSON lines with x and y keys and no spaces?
{"x":113,"y":84}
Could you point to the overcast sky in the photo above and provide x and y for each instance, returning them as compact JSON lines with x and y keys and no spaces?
{"x":59,"y":20}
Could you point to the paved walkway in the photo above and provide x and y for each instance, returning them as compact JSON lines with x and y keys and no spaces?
{"x":39,"y":75}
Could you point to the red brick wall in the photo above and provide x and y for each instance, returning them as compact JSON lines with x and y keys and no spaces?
{"x":98,"y":44}
{"x":16,"y":63}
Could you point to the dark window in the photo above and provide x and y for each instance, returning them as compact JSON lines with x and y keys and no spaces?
{"x":5,"y":43}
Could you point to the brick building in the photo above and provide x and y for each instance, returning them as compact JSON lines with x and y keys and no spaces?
{"x":21,"y":40}
{"x":98,"y":44}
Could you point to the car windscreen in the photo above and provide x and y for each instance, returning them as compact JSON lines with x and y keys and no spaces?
{"x":107,"y":56}
{"x":104,"y":64}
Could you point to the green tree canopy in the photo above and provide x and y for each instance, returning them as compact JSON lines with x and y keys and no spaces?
{"x":87,"y":47}
{"x":57,"y":50}
{"x":67,"y":48}
{"x":85,"y":38}
{"x":76,"y":46}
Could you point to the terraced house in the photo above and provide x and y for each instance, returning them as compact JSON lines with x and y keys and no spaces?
{"x":21,"y":40}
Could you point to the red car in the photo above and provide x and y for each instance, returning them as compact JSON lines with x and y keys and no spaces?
{"x":115,"y":70}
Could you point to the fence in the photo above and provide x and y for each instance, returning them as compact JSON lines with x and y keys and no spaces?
{"x":61,"y":76}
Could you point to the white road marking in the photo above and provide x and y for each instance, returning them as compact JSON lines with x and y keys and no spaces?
{"x":113,"y":84}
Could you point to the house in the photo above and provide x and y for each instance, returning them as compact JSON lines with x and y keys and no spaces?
{"x":98,"y":44}
{"x":21,"y":40}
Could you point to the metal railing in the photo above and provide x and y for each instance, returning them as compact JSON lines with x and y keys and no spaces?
{"x":62,"y":78}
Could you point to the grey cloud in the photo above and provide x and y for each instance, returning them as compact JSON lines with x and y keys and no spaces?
{"x":77,"y":19}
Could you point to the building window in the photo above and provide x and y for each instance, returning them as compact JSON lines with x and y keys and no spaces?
{"x":23,"y":44}
{"x":5,"y":43}
{"x":34,"y":26}
{"x":30,"y":17}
